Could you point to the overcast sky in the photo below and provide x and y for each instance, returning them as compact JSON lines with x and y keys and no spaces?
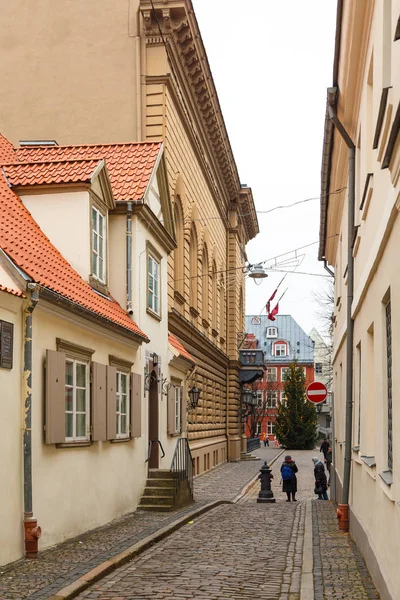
{"x":272,"y":62}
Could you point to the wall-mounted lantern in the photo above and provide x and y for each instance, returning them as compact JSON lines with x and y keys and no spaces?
{"x":194,"y":397}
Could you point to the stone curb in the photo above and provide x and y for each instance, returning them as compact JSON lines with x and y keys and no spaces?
{"x":78,"y":586}
{"x":81,"y":584}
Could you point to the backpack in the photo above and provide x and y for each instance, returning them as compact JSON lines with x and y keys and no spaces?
{"x":287,"y":473}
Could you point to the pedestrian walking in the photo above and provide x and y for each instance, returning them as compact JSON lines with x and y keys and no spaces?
{"x":267,"y":440}
{"x":328,"y":462}
{"x":321,"y":484}
{"x":264,"y":438}
{"x":289,"y":479}
{"x":324,"y":447}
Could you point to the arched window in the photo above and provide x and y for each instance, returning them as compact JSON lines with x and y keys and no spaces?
{"x":214,"y":297}
{"x":179,"y":252}
{"x":193,"y":269}
{"x":205,"y":285}
{"x":280,"y":348}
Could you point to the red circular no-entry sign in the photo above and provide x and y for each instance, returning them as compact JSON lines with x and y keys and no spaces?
{"x":316,"y":392}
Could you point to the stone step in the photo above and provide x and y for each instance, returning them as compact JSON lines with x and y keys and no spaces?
{"x":156,"y":500}
{"x":164,"y":483}
{"x":159,"y":491}
{"x":155,"y":507}
{"x":160,"y":474}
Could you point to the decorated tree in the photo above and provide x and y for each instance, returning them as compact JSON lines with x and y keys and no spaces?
{"x":296,"y":421}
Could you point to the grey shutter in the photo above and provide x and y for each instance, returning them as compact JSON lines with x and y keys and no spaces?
{"x":171,"y":420}
{"x":99,"y":402}
{"x":183,"y":411}
{"x":111,"y":403}
{"x":136,"y":405}
{"x":6,"y":344}
{"x":55,"y":397}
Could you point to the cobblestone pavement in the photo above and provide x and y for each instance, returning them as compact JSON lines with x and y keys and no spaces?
{"x":61,"y":565}
{"x":247,"y":550}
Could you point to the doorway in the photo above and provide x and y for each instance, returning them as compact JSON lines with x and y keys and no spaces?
{"x":154,"y":460}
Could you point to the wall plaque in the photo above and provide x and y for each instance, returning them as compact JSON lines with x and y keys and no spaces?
{"x":6,"y":344}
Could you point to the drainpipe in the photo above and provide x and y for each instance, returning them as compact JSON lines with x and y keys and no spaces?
{"x":328,"y":269}
{"x":332,"y":98}
{"x":129,"y":259}
{"x":32,"y":531}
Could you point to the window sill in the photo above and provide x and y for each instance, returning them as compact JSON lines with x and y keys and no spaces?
{"x":84,"y":444}
{"x":98,"y":285}
{"x":121,"y":440}
{"x":387,"y":477}
{"x":369,"y":461}
{"x":153,"y":314}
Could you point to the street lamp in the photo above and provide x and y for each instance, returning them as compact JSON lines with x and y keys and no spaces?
{"x":194,"y":397}
{"x":257,"y":272}
{"x":319,"y":408}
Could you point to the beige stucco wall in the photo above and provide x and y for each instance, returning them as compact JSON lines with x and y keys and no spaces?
{"x":80,"y":84}
{"x":11,"y":448}
{"x":66,"y":220}
{"x":363,"y":73}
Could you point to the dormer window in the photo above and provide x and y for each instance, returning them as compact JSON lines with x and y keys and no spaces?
{"x":272,"y":332}
{"x":280,"y":349}
{"x":98,"y":245}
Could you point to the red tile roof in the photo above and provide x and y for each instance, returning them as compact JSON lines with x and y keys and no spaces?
{"x":38,"y":173}
{"x":3,"y":288}
{"x":7,"y":152}
{"x":180,"y":348}
{"x":129,"y":165}
{"x":25,"y":243}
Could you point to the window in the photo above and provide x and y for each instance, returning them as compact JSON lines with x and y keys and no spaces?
{"x":122,"y":405}
{"x":178,"y":403}
{"x":259,"y":398}
{"x":77,"y":426}
{"x":271,"y":428}
{"x":153,"y":284}
{"x":280,"y":349}
{"x":389,"y":384}
{"x":272,"y":332}
{"x":283,"y":397}
{"x":318,"y":368}
{"x":258,"y":429}
{"x":284,"y":373}
{"x":272,"y":374}
{"x":272,"y":398}
{"x":98,"y":245}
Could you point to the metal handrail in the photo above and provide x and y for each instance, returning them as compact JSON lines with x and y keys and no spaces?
{"x":151,"y":442}
{"x":182,"y":464}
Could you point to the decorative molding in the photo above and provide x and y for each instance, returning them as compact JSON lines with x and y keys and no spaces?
{"x":73,"y":349}
{"x":381,"y":115}
{"x":115,"y":361}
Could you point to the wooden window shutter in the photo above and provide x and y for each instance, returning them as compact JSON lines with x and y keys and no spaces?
{"x":55,"y":397}
{"x":111,"y":403}
{"x":6,"y":344}
{"x":183,"y":411}
{"x":136,"y":405}
{"x":171,"y":420}
{"x":99,"y":402}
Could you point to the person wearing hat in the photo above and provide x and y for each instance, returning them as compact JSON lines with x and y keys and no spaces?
{"x":289,"y":479}
{"x":321,"y":484}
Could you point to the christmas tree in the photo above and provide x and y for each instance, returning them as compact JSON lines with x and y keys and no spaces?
{"x":296,"y":421}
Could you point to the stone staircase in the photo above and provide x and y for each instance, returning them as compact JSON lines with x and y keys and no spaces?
{"x":248,"y":456}
{"x":159,"y":493}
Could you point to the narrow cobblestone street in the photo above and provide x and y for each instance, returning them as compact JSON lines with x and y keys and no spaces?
{"x":236,"y":551}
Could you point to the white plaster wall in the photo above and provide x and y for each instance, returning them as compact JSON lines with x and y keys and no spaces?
{"x":65,"y":219}
{"x":117,"y":258}
{"x":11,"y":466}
{"x":77,"y":489}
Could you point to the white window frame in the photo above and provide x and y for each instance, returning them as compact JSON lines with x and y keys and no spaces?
{"x":284,"y":370}
{"x":259,"y":398}
{"x":271,"y":427}
{"x":119,"y":397}
{"x":258,"y":428}
{"x":74,"y":411}
{"x":153,"y":275}
{"x":278,"y":346}
{"x":283,"y":398}
{"x":271,"y":399}
{"x":272,"y":374}
{"x":178,"y":405}
{"x":272,"y":332}
{"x":98,"y":235}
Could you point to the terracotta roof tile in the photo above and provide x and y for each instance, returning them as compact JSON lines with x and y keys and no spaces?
{"x":25,"y":243}
{"x":38,"y":173}
{"x":3,"y":288}
{"x":129,"y":165}
{"x":180,"y":348}
{"x":7,"y":152}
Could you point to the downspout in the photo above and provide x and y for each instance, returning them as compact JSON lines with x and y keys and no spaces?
{"x":332,"y":95}
{"x":32,"y":531}
{"x":129,"y":259}
{"x":328,"y":269}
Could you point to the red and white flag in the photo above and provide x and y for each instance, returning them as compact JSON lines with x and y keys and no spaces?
{"x":273,"y":312}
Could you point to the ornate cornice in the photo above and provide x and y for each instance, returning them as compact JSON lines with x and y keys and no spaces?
{"x":190,"y":66}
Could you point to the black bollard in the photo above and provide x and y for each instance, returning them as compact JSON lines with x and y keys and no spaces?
{"x":265,"y":494}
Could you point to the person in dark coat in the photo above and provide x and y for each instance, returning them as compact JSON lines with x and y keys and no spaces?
{"x":290,"y":485}
{"x":320,"y":479}
{"x":324,"y":447}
